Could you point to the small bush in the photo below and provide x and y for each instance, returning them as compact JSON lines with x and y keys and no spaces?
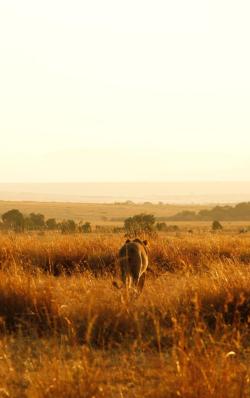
{"x":216,"y":226}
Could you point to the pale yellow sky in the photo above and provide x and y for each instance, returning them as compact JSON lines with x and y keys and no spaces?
{"x":83,"y":81}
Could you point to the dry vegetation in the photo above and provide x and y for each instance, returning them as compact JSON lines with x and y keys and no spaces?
{"x":74,"y":335}
{"x":100,"y":213}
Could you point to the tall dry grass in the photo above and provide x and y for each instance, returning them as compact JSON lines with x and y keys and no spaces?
{"x":56,"y":253}
{"x":187,"y":335}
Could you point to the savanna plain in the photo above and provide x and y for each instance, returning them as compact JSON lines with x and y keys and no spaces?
{"x":65,"y":331}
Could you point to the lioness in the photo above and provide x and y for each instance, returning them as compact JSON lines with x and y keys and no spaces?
{"x":133,"y":259}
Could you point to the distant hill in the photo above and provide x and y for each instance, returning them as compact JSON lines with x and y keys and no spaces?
{"x":239,"y":212}
{"x":183,"y":193}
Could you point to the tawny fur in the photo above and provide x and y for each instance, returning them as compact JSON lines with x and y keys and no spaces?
{"x":133,"y":260}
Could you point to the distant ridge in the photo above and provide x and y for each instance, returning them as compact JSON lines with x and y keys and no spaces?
{"x":110,"y":192}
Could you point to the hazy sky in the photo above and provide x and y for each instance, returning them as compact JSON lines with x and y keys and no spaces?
{"x":124,"y":90}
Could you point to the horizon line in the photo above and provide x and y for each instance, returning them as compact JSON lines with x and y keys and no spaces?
{"x":128,"y":182}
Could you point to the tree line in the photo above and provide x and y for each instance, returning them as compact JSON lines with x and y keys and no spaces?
{"x":140,"y":223}
{"x":18,"y":222}
{"x":239,"y":212}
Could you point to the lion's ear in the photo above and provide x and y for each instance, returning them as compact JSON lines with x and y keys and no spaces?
{"x":145,"y":242}
{"x":128,"y":240}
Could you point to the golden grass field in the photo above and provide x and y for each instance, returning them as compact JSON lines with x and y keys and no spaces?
{"x":96,"y":212}
{"x":74,"y":335}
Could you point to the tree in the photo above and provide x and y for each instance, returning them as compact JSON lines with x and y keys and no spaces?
{"x":67,"y":226}
{"x":37,"y":221}
{"x":86,"y":228}
{"x":161,"y":226}
{"x":13,"y":219}
{"x":51,"y":223}
{"x":216,"y":226}
{"x":139,"y":223}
